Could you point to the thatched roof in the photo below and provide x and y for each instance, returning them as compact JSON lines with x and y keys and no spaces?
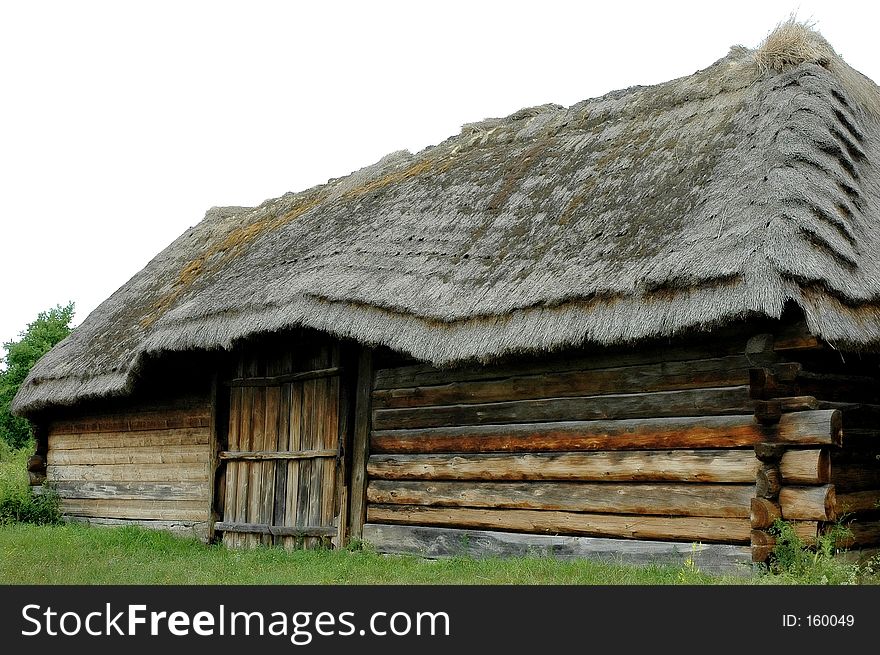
{"x":731,"y":193}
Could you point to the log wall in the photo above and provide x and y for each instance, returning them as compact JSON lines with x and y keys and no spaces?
{"x":820,"y":486}
{"x":651,"y":444}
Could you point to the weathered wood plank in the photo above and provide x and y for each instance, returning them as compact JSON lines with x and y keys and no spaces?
{"x":701,"y":529}
{"x":272,"y":437}
{"x":432,"y":542}
{"x":277,"y":530}
{"x":818,"y":427}
{"x":809,"y":467}
{"x":130,"y":472}
{"x":807,"y":503}
{"x":171,"y":510}
{"x":426,"y":375}
{"x":291,"y":503}
{"x":306,"y":471}
{"x":728,"y":500}
{"x":286,"y":378}
{"x":139,"y":455}
{"x":771,"y":410}
{"x":691,"y":402}
{"x":176,"y":490}
{"x":279,"y":508}
{"x":331,"y":439}
{"x":665,"y":376}
{"x":360,"y":442}
{"x":246,"y":442}
{"x":146,"y":438}
{"x":197,"y":417}
{"x":232,"y":468}
{"x":794,"y":337}
{"x":622,"y":466}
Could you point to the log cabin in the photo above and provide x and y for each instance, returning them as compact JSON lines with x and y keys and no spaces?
{"x":641,"y":327}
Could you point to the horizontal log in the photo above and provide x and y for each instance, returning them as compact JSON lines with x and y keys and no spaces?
{"x":665,"y":376}
{"x":775,"y":381}
{"x":277,"y":530}
{"x":278,"y":380}
{"x":193,"y":529}
{"x":146,"y":438}
{"x":770,"y":453}
{"x":137,"y":455}
{"x":761,"y":553}
{"x":268,"y":455}
{"x":818,"y":427}
{"x":623,"y":466}
{"x":692,"y":402}
{"x":657,"y":499}
{"x":763,"y":513}
{"x":687,"y":528}
{"x":811,"y":466}
{"x":855,"y":470}
{"x":135,"y":422}
{"x":762,"y":538}
{"x":791,"y":379}
{"x":129,"y":472}
{"x":165,"y":510}
{"x":856,"y":415}
{"x":862,"y":534}
{"x":806,"y":531}
{"x":857,"y":501}
{"x":177,"y":490}
{"x":435,"y":543}
{"x":807,"y":503}
{"x":721,"y":344}
{"x":36,"y":478}
{"x":771,"y":410}
{"x":633,"y":434}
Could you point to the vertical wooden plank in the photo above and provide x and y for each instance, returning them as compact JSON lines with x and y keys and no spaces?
{"x":360,"y":443}
{"x":340,"y":509}
{"x":291,"y":503}
{"x":217,"y":492}
{"x":244,"y":443}
{"x":316,"y":483}
{"x":305,"y":465}
{"x":255,"y":477}
{"x":331,"y":440}
{"x":230,"y":509}
{"x":279,"y":507}
{"x":267,"y":489}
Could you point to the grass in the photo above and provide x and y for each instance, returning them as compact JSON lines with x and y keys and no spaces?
{"x":79,"y":554}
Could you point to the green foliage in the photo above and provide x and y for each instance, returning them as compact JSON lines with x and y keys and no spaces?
{"x":793,"y":559}
{"x":49,"y":328}
{"x":17,"y":503}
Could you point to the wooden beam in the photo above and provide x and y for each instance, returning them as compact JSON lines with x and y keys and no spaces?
{"x":728,"y":500}
{"x":417,"y":375}
{"x":769,"y":411}
{"x":665,"y":376}
{"x":623,"y":466}
{"x":269,"y":455}
{"x":768,"y":481}
{"x":277,"y":530}
{"x":278,"y":380}
{"x":195,"y":417}
{"x":702,"y":529}
{"x":857,"y":501}
{"x":817,"y":427}
{"x":434,"y":542}
{"x":168,"y":490}
{"x":146,"y":438}
{"x":809,"y":467}
{"x":361,"y":443}
{"x":807,"y":503}
{"x":691,"y":402}
{"x":794,"y":337}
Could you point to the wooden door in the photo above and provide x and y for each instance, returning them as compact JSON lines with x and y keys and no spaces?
{"x":282,"y":471}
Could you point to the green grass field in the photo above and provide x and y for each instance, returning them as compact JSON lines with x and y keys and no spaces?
{"x":79,"y":554}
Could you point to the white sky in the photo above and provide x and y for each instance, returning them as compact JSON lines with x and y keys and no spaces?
{"x":121,"y":123}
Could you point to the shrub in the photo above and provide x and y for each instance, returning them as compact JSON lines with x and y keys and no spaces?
{"x":18,"y":504}
{"x":817,"y":564}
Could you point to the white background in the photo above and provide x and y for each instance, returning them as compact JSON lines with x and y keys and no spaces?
{"x":121,"y":123}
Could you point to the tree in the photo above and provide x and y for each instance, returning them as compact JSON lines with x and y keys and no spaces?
{"x":49,"y":328}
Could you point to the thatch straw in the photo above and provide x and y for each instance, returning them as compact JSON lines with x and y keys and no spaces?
{"x":736,"y":192}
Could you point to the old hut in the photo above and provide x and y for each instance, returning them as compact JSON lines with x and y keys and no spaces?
{"x":635,"y":324}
